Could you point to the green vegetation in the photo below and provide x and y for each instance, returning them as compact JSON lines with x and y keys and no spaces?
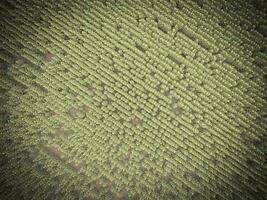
{"x":133,"y":99}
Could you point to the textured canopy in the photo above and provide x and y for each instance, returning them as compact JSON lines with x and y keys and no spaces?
{"x":133,"y":99}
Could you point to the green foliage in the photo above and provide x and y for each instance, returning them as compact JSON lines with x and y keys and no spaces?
{"x":120,"y":99}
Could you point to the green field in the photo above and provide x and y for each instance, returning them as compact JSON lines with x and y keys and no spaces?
{"x":133,"y":100}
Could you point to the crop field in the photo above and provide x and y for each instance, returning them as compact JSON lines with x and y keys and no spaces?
{"x":133,"y":100}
